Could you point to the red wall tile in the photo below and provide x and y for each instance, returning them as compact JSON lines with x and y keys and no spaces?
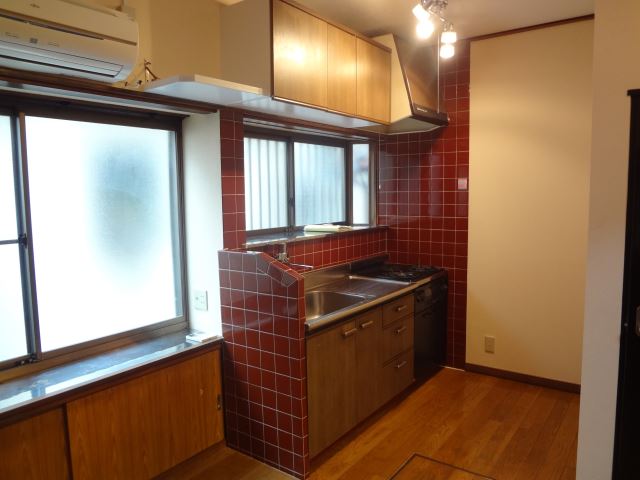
{"x":232,"y":167}
{"x":420,"y":200}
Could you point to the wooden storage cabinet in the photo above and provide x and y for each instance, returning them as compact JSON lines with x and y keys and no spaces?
{"x":373,"y":82}
{"x":397,"y":309}
{"x":396,"y":338}
{"x":396,"y":376}
{"x":356,"y":367}
{"x":320,"y":64}
{"x":35,"y":448}
{"x":331,"y":370}
{"x":341,"y":70}
{"x":144,"y":426}
{"x":367,"y":390}
{"x":299,"y":55}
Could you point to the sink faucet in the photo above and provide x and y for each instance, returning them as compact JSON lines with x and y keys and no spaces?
{"x":283,"y":257}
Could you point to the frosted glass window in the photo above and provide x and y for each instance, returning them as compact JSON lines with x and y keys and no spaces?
{"x":8,"y":226}
{"x":265,"y":182}
{"x":319,"y":172}
{"x":13,"y":340}
{"x":105,"y":231}
{"x":361,"y":192}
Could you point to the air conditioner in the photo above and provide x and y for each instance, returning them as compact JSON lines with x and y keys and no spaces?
{"x":67,"y":38}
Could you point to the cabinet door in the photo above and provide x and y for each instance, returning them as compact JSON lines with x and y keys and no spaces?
{"x":34,"y":448}
{"x":341,"y":70}
{"x":397,"y":337}
{"x":373,"y":82}
{"x":331,"y":376}
{"x":369,"y":364}
{"x":299,"y":55}
{"x":396,"y":376}
{"x":146,"y":425}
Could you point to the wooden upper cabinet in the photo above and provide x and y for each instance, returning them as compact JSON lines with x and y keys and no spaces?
{"x":341,"y":70}
{"x":373,"y":82}
{"x":299,"y":55}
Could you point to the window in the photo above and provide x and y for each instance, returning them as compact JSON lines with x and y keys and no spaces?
{"x":90,"y":237}
{"x":292,"y":181}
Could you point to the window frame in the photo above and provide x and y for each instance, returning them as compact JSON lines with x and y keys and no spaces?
{"x":290,"y":138}
{"x":18,"y":108}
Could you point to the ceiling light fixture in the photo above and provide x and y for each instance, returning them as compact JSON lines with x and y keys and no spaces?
{"x":425,"y":12}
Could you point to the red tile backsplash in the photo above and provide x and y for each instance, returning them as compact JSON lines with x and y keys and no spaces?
{"x":264,"y":360}
{"x":334,"y":250}
{"x":424,"y":197}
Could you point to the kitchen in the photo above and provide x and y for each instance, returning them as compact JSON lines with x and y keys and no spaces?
{"x":406,"y":178}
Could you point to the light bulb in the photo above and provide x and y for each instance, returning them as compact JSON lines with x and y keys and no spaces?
{"x":424,"y":29}
{"x":447,"y":50}
{"x":449,"y":37}
{"x":421,"y":14}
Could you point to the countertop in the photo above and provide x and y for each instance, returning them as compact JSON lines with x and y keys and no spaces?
{"x":375,"y":291}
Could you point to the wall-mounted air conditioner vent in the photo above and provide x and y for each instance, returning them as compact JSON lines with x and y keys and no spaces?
{"x":68,"y":38}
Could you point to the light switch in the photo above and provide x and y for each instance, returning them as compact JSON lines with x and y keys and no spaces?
{"x":201,"y":300}
{"x":463,"y":183}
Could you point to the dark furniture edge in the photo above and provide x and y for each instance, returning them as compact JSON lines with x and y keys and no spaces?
{"x":524,"y":378}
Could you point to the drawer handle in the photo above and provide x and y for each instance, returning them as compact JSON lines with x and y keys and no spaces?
{"x":401,"y":329}
{"x":366,"y":324}
{"x":401,"y":308}
{"x":348,"y":333}
{"x":401,"y":364}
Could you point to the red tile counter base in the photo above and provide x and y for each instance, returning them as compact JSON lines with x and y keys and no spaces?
{"x":265,"y":385}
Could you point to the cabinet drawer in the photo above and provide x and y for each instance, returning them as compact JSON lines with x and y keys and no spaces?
{"x":397,"y":309}
{"x":397,"y":337}
{"x":397,"y":375}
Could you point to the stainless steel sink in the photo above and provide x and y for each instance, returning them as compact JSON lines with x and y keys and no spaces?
{"x":319,"y":303}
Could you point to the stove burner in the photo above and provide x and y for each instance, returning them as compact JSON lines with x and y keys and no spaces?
{"x":406,"y":273}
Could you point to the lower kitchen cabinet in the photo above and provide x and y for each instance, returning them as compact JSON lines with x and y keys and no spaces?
{"x":331,"y":377}
{"x":142,"y":427}
{"x":35,"y":448}
{"x":349,"y":376}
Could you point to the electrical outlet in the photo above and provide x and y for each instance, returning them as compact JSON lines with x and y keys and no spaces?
{"x":489,"y":344}
{"x":201,"y":300}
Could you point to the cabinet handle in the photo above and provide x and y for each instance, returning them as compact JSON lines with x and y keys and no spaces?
{"x":348,"y":333}
{"x":401,"y":364}
{"x":401,"y":308}
{"x":366,"y":324}
{"x":401,"y":329}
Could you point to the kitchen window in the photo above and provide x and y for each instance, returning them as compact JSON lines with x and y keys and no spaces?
{"x":295,"y":180}
{"x":90,"y":230}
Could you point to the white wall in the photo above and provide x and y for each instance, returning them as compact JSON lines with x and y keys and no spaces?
{"x":203,"y":216}
{"x":529,"y":173}
{"x":177,"y":37}
{"x":616,"y":69}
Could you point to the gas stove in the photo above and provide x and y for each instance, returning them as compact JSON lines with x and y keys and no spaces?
{"x":398,"y":272}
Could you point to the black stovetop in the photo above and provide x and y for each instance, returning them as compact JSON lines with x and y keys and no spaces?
{"x":396,"y":271}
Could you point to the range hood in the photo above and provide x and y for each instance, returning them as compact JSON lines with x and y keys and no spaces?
{"x":416,"y":105}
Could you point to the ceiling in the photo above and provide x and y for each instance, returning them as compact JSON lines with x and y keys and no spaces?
{"x":470,"y":17}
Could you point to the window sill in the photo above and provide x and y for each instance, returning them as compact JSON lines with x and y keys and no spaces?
{"x":256,"y":241}
{"x":34,"y":393}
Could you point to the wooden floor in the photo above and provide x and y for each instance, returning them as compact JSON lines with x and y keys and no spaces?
{"x":222,"y":463}
{"x":458,"y":425}
{"x":492,"y":427}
